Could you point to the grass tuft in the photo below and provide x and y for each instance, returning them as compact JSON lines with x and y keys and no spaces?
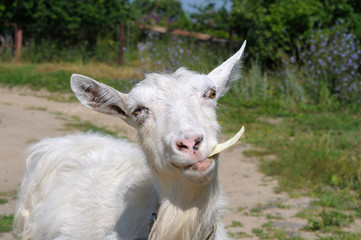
{"x":6,"y":223}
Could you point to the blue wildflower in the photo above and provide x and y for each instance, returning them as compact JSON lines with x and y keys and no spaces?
{"x":292,"y":59}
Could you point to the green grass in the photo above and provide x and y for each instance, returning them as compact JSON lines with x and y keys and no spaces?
{"x":313,"y":149}
{"x":329,"y":221}
{"x":268,"y":231}
{"x":27,"y":75}
{"x":275,"y":217}
{"x":256,"y":211}
{"x":3,"y":200}
{"x":342,"y":200}
{"x":6,"y":223}
{"x":236,"y":224}
{"x":315,"y":152}
{"x":343,"y":236}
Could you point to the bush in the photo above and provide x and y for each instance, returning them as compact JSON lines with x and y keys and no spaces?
{"x":331,"y":64}
{"x":162,"y":52}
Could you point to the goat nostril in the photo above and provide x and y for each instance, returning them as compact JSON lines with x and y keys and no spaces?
{"x":181,"y":146}
{"x":197,"y":142}
{"x":189,"y":143}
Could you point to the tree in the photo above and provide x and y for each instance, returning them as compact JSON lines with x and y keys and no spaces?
{"x":63,"y":21}
{"x":167,"y":10}
{"x":211,"y":20}
{"x":276,"y":27}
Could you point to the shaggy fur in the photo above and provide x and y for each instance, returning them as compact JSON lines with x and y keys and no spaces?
{"x":97,"y":187}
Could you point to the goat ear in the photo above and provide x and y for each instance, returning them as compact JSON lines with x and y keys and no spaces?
{"x":227,"y":72}
{"x":98,"y":96}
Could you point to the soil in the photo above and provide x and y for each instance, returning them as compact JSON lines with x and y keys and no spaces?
{"x":26,"y":117}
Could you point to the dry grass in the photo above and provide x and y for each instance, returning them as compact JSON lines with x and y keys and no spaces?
{"x":95,"y":70}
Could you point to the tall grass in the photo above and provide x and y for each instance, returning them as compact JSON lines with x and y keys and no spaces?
{"x":257,"y":85}
{"x":167,"y":53}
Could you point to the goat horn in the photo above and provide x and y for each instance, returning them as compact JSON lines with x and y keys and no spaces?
{"x":223,"y":146}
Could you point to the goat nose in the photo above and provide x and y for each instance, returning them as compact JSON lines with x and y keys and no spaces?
{"x":189,"y":143}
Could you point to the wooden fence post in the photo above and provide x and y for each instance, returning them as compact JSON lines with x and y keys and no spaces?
{"x":18,"y":42}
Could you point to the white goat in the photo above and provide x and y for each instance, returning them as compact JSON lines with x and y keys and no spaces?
{"x":96,"y":187}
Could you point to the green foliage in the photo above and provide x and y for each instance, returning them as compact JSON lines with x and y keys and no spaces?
{"x":35,"y":52}
{"x":69,"y":23}
{"x":169,"y":10}
{"x":331,"y":64}
{"x":210,"y":20}
{"x":272,"y":26}
{"x":328,"y":220}
{"x":168,"y":53}
{"x":6,"y":223}
{"x":258,"y":86}
{"x":278,"y":26}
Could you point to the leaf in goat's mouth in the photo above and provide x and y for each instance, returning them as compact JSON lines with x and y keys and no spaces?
{"x":223,"y":146}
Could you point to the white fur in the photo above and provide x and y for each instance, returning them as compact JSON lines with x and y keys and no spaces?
{"x":97,"y":187}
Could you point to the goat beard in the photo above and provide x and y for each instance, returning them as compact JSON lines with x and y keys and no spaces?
{"x":174,"y":222}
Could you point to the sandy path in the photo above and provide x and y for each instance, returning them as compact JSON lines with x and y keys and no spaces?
{"x":25,"y":119}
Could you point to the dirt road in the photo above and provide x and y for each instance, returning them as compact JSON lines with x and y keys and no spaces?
{"x":25,"y":119}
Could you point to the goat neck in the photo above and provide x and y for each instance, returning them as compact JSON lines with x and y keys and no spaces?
{"x":186,"y":211}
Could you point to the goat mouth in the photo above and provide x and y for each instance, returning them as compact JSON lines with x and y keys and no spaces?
{"x":201,"y":165}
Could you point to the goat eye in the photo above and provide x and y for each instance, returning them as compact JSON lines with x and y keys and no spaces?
{"x":211,"y":93}
{"x":140,"y":110}
{"x":136,"y":112}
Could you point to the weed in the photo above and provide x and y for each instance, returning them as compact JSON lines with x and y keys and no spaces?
{"x":241,"y":209}
{"x":6,"y":223}
{"x":328,"y":221}
{"x":236,"y":224}
{"x":238,"y":235}
{"x":342,"y":236}
{"x":268,"y":231}
{"x":9,"y":194}
{"x":256,"y":211}
{"x":3,"y":201}
{"x":274,"y":217}
{"x":342,"y":200}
